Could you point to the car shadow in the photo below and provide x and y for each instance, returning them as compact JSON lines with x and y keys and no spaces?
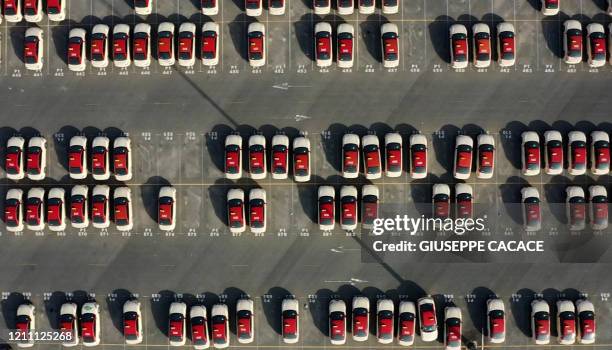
{"x":238,"y":34}
{"x":520,"y":307}
{"x":17,"y":37}
{"x":510,"y":192}
{"x":307,"y":194}
{"x":272,"y":307}
{"x":59,"y":35}
{"x":10,"y":306}
{"x":511,"y":143}
{"x":114,"y":303}
{"x":303,"y":29}
{"x":439,"y":36}
{"x":369,"y":30}
{"x":232,"y":294}
{"x":444,"y":149}
{"x":53,"y":306}
{"x":552,"y":29}
{"x":551,"y":296}
{"x":215,"y":144}
{"x":160,"y":306}
{"x":62,"y":145}
{"x":319,"y":309}
{"x":217,"y":194}
{"x":149,"y":194}
{"x":477,"y":306}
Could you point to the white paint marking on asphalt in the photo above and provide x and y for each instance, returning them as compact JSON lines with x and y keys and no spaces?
{"x":286,"y":86}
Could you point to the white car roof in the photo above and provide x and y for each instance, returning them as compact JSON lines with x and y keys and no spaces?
{"x":17,"y":141}
{"x":505,"y":27}
{"x":345,"y":28}
{"x":120,"y":192}
{"x":539,"y":305}
{"x":393,"y":137}
{"x":33,"y":31}
{"x":187,"y":27}
{"x":235,"y":193}
{"x":406,"y":306}
{"x":100,"y":189}
{"x":441,"y":188}
{"x":131,"y":306}
{"x":552,"y":135}
{"x":68,"y":309}
{"x":389,"y":27}
{"x":574,"y":191}
{"x":257,"y":140}
{"x":485,"y":139}
{"x":257,"y":27}
{"x":565,"y":305}
{"x":337,"y":305}
{"x":452,"y":311}
{"x":595,"y":28}
{"x":142,"y":28}
{"x":463,"y":188}
{"x":167,"y":191}
{"x":425,"y":300}
{"x":178,"y":307}
{"x":323,"y":27}
{"x":197,"y":311}
{"x":78,"y":141}
{"x":25,"y":309}
{"x":530,"y":136}
{"x":121,"y":28}
{"x":57,"y":192}
{"x":458,"y":28}
{"x":233,"y":140}
{"x":464,"y":140}
{"x":384,"y":304}
{"x":165,"y":27}
{"x":326,"y":191}
{"x":244,"y":304}
{"x":367,"y":190}
{"x":600,"y":136}
{"x":79,"y":32}
{"x":350,"y":138}
{"x":280,"y":140}
{"x":37,"y":141}
{"x":100,"y":28}
{"x":219,"y":310}
{"x":527,"y":192}
{"x":79,"y":190}
{"x":89,"y":307}
{"x":348,"y":191}
{"x":301,"y":141}
{"x":369,"y":140}
{"x":210,"y":26}
{"x":598,"y":190}
{"x":584,"y":305}
{"x":122,"y":141}
{"x":576,"y":136}
{"x":418,"y":139}
{"x":572,"y":24}
{"x":36,"y":192}
{"x":100,"y":141}
{"x":495,"y":304}
{"x":257,"y":193}
{"x":14,"y":193}
{"x":361,"y":301}
{"x":290,"y":304}
{"x":480,"y":27}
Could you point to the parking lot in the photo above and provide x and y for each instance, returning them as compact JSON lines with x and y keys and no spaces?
{"x":178,"y":120}
{"x":423,"y":32}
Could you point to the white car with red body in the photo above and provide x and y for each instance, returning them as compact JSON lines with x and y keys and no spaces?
{"x":143,"y":7}
{"x":587,"y":328}
{"x":361,"y":318}
{"x":452,"y":328}
{"x":99,"y":158}
{"x":245,"y":321}
{"x":177,"y":323}
{"x":32,"y":10}
{"x":577,"y":153}
{"x":393,"y":154}
{"x":90,"y":324}
{"x":99,"y":45}
{"x":36,"y":157}
{"x":132,"y":322}
{"x":337,"y":322}
{"x":390,"y":41}
{"x":56,"y":209}
{"x":323,"y":44}
{"x":14,"y":158}
{"x":199,"y":327}
{"x":257,"y":44}
{"x":142,"y":45}
{"x":418,"y":156}
{"x":233,"y":157}
{"x":122,"y":204}
{"x":406,"y":323}
{"x":496,"y":321}
{"x":14,"y":210}
{"x":350,"y":156}
{"x":566,"y":322}
{"x":553,"y":149}
{"x":79,"y":208}
{"x":321,"y":7}
{"x":598,"y":208}
{"x":441,"y":201}
{"x":326,"y":207}
{"x":366,"y":7}
{"x":11,"y":9}
{"x":390,"y":7}
{"x":235,"y":210}
{"x":458,"y":46}
{"x":301,"y":159}
{"x":576,"y":210}
{"x":290,"y":321}
{"x":348,"y":207}
{"x":35,"y":209}
{"x":369,"y":205}
{"x":532,"y":214}
{"x":258,"y":163}
{"x":371,"y":157}
{"x":572,"y":41}
{"x":506,"y":44}
{"x":122,"y":158}
{"x":345,"y":35}
{"x":77,"y":157}
{"x":68,"y":324}
{"x":464,"y":201}
{"x":209,"y":7}
{"x":209,"y":48}
{"x":482,"y":45}
{"x":77,"y":44}
{"x":33,"y":48}
{"x":485,"y":165}
{"x":56,"y":10}
{"x":186,"y":44}
{"x":253,"y":8}
{"x":220,"y":326}
{"x":25,"y":325}
{"x":122,"y":57}
{"x":100,"y":206}
{"x":280,"y":157}
{"x":166,"y":207}
{"x":464,"y":147}
{"x":345,"y":7}
{"x":276,"y":7}
{"x":596,"y":45}
{"x":530,"y":153}
{"x":258,"y":214}
{"x":550,"y":7}
{"x":385,"y":321}
{"x":600,"y":153}
{"x":165,"y":44}
{"x":428,"y":323}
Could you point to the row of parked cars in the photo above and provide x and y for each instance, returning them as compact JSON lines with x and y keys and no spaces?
{"x":80,"y":208}
{"x":31,"y":161}
{"x":575,"y":153}
{"x":575,"y":321}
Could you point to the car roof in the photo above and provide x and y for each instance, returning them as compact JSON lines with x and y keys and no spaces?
{"x":167,"y":191}
{"x":56,"y":192}
{"x":257,"y":193}
{"x":257,"y":27}
{"x":257,"y":140}
{"x":326,"y":191}
{"x":345,"y":28}
{"x":244,"y":304}
{"x":235,"y":193}
{"x":121,"y":28}
{"x":530,"y":192}
{"x":35,"y":31}
{"x":100,"y":28}
{"x":177,"y":307}
{"x":210,"y":26}
{"x":350,"y":138}
{"x":233,"y":140}
{"x":197,"y":311}
{"x":80,"y":32}
{"x":187,"y":27}
{"x":219,"y":309}
{"x":369,"y":190}
{"x":290,"y":304}
{"x":280,"y":140}
{"x":574,"y":191}
{"x":37,"y":192}
{"x":122,"y":141}
{"x":323,"y":27}
{"x":441,"y":188}
{"x":142,"y":27}
{"x":165,"y":26}
{"x":101,"y":189}
{"x":481,"y":27}
{"x":122,"y":192}
{"x":389,"y":27}
{"x":463,"y":188}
